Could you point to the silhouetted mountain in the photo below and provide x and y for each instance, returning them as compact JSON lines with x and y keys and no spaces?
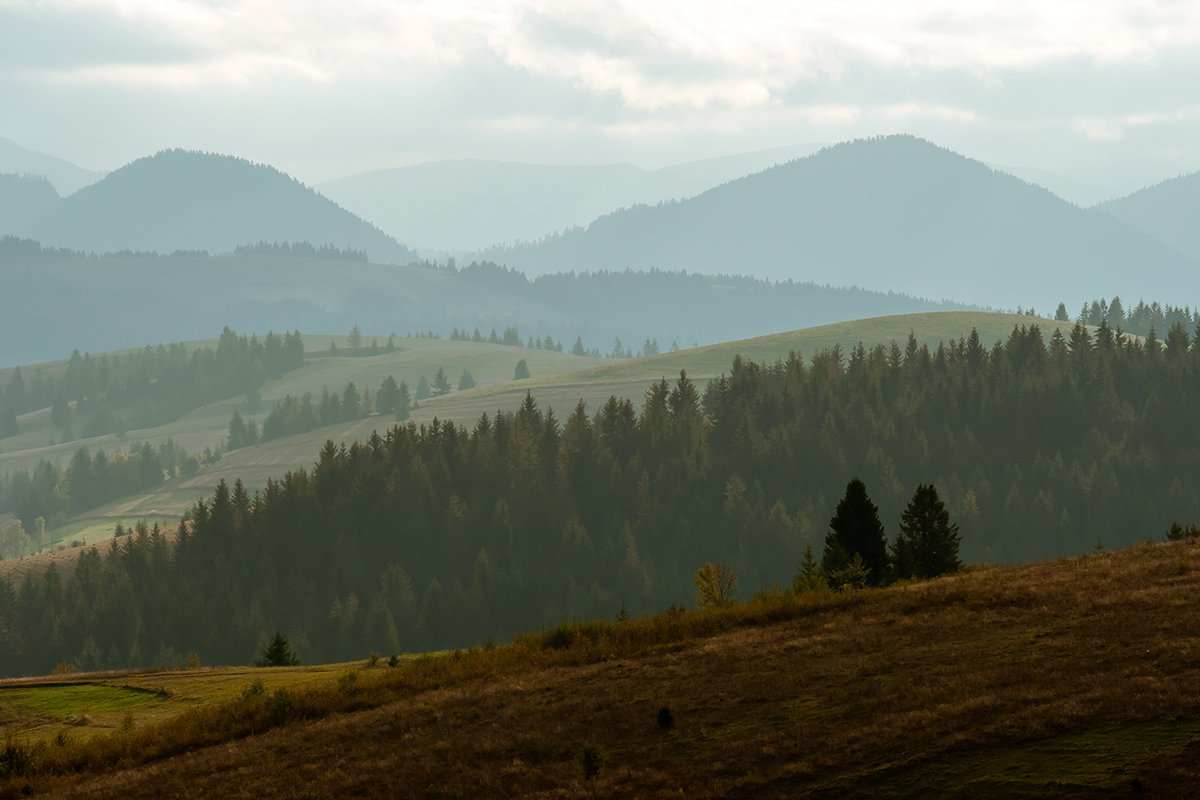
{"x":891,"y":213}
{"x":178,"y":200}
{"x":468,"y":204}
{"x":1167,"y":211}
{"x":23,"y":198}
{"x":65,"y":176}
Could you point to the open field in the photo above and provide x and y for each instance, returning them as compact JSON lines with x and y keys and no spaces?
{"x":1072,"y":678}
{"x":558,"y":381}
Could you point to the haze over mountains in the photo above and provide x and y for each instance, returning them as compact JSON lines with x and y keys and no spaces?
{"x":1168,"y":211}
{"x":65,"y":176}
{"x":886,"y":213}
{"x":471,"y":204}
{"x":179,"y":200}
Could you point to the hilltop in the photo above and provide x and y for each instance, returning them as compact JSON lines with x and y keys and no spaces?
{"x":1068,"y":678}
{"x":1166,"y":211}
{"x":894,"y":213}
{"x":180,"y":200}
{"x":65,"y":176}
{"x":468,"y":204}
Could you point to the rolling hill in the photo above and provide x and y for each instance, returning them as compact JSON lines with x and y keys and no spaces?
{"x":472,"y":203}
{"x":558,"y":381}
{"x":893,"y":213}
{"x":1166,"y":211}
{"x":177,"y":200}
{"x":1062,"y":679}
{"x":63,"y":175}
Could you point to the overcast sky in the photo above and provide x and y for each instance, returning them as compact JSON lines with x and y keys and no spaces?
{"x":1104,"y":92}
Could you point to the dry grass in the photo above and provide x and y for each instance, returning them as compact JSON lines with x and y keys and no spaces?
{"x":1071,"y":678}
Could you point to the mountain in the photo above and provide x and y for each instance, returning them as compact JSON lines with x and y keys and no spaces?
{"x":65,"y":176}
{"x":890,"y":213}
{"x":179,"y":200}
{"x":1166,"y":211}
{"x":469,"y":204}
{"x":22,"y":199}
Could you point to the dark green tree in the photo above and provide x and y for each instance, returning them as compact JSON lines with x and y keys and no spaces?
{"x":404,"y":402}
{"x":522,"y":371}
{"x":466,"y":381}
{"x":441,"y":384}
{"x":388,"y":396}
{"x":856,"y":530}
{"x":422,"y":392}
{"x":927,"y":544}
{"x":278,"y":653}
{"x":1061,"y":314}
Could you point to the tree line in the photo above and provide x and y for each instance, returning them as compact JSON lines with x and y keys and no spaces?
{"x":446,"y":535}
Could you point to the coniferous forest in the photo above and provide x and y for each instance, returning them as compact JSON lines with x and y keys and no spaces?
{"x":443,"y":535}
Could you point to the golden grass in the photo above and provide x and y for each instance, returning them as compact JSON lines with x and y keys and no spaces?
{"x":1000,"y":682}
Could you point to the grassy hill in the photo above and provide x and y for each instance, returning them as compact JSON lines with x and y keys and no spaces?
{"x":892,"y":213}
{"x":1062,"y":679}
{"x":558,"y":381}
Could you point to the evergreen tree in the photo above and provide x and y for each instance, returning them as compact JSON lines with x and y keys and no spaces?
{"x":578,"y":349}
{"x":855,"y":529}
{"x":1061,"y":314}
{"x":441,"y":384}
{"x":927,"y":544}
{"x":466,"y":381}
{"x":388,"y":396}
{"x":809,"y":578}
{"x":355,"y":338}
{"x":404,"y":402}
{"x":422,"y":392}
{"x":278,"y":653}
{"x":237,"y":432}
{"x":522,"y":371}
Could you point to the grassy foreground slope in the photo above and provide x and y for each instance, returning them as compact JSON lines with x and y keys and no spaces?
{"x":1072,"y":678}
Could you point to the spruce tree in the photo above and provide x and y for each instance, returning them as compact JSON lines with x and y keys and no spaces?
{"x":388,"y":396}
{"x":422,"y":389}
{"x":522,"y":371}
{"x":466,"y":381}
{"x":927,"y":544}
{"x":404,"y":402}
{"x":441,"y":384}
{"x":856,"y":530}
{"x":278,"y":653}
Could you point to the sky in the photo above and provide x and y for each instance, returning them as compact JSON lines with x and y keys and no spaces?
{"x":1103,"y":94}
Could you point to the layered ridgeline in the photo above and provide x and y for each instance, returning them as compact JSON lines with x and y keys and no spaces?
{"x":22,"y":199}
{"x":472,"y":203}
{"x":178,"y":200}
{"x":188,"y":296}
{"x":63,"y":175}
{"x":1166,"y":211}
{"x":892,"y":213}
{"x":442,"y":535}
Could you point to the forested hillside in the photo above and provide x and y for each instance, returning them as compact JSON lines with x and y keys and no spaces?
{"x":179,"y":200}
{"x":889,"y":213}
{"x":443,"y":535}
{"x":1167,"y":211}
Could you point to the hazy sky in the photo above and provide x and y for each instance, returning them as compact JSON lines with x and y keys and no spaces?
{"x":1105,"y":92}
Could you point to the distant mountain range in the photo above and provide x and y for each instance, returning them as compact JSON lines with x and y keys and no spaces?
{"x":470,"y":204}
{"x":1168,"y":211}
{"x":179,"y":200}
{"x":890,"y":213}
{"x":63,"y":175}
{"x":22,"y":199}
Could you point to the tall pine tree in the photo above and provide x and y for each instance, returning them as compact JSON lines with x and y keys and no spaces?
{"x":856,"y":529}
{"x":927,"y":544}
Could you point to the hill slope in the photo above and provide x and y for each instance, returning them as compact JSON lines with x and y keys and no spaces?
{"x":472,"y":203}
{"x":1166,"y":211}
{"x":177,"y":200}
{"x":65,"y":176}
{"x":1063,"y":679}
{"x":22,"y":199}
{"x":892,"y":213}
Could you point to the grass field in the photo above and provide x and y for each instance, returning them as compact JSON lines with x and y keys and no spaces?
{"x":558,"y":381}
{"x":1073,"y":678}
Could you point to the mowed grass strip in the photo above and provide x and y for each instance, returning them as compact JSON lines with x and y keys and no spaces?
{"x":1001,"y":681}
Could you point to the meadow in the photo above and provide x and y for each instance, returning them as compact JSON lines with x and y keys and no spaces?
{"x":1071,"y":678}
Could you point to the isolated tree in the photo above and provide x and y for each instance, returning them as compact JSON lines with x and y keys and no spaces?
{"x":715,"y":584}
{"x":466,"y":381}
{"x":578,"y":349}
{"x":388,"y":396}
{"x":237,"y":432}
{"x":404,"y":402}
{"x":422,"y":392}
{"x":927,"y":544}
{"x":441,"y":384}
{"x":809,"y":578}
{"x":355,"y":337}
{"x":1061,"y":314}
{"x":522,"y":371}
{"x":278,"y":653}
{"x":856,"y":529}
